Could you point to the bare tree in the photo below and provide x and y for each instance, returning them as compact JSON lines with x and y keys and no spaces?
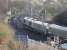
{"x":3,"y":6}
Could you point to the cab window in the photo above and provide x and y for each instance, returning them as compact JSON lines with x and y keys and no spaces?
{"x":24,"y":21}
{"x":30,"y":23}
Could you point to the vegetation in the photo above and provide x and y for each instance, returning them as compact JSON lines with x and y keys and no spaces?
{"x":61,"y":18}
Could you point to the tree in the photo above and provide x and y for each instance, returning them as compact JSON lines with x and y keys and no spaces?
{"x":61,"y":19}
{"x":3,"y":6}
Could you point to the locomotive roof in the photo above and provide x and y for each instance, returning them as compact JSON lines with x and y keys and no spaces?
{"x":58,"y":27}
{"x":35,"y":21}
